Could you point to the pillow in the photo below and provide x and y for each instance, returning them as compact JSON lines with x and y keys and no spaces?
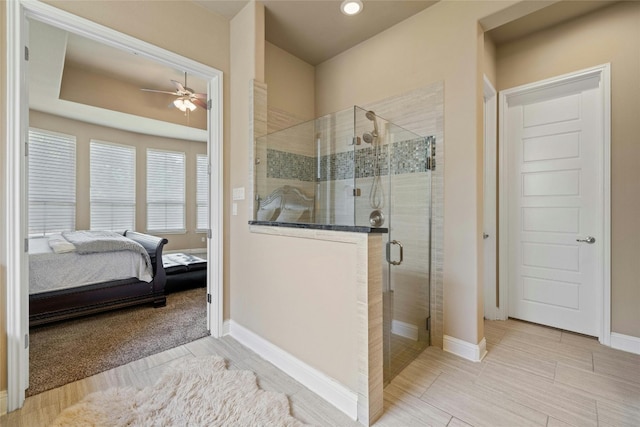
{"x":266,"y":214}
{"x":289,"y":215}
{"x":60,"y":245}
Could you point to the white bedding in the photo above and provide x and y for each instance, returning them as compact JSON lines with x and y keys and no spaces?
{"x":50,"y":271}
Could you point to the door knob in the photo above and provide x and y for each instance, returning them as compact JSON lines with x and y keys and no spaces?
{"x":590,"y":240}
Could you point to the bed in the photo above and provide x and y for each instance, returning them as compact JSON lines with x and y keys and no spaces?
{"x":286,"y":204}
{"x":128,"y":273}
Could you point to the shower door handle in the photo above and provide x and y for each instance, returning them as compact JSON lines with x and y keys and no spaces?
{"x":394,"y":242}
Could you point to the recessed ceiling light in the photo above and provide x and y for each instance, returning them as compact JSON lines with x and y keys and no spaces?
{"x":351,"y":7}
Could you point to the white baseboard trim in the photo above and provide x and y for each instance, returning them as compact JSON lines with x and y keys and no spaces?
{"x":3,"y":402}
{"x":321,"y":384}
{"x":226,"y":327}
{"x":404,"y":329}
{"x":473,"y":352}
{"x":625,"y":342}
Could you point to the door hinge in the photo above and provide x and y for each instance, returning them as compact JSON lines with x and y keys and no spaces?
{"x":209,"y":234}
{"x":209,"y":298}
{"x":26,"y":149}
{"x":428,"y":323}
{"x":431,"y":157}
{"x":209,"y":104}
{"x":26,"y":245}
{"x":26,"y":341}
{"x":431,"y":163}
{"x":26,"y":53}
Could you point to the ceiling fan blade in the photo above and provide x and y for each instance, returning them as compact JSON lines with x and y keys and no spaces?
{"x":178,"y":86}
{"x":161,"y":91}
{"x":199,"y":95}
{"x":200,"y":103}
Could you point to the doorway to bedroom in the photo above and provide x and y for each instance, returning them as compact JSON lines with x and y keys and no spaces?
{"x":106,"y":156}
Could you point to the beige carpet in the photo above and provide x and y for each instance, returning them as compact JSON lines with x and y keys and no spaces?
{"x":68,"y":351}
{"x":196,"y":392}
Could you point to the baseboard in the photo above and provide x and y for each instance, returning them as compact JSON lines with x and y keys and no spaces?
{"x":319,"y":383}
{"x":404,"y":329}
{"x":3,"y":402}
{"x":226,"y":327}
{"x":625,"y":342}
{"x":473,"y":352}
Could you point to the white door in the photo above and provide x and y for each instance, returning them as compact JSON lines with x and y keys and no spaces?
{"x":554,"y":138}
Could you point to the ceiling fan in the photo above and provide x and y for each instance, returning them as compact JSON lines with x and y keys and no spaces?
{"x":187,"y":98}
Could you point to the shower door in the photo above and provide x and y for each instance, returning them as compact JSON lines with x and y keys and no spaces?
{"x":406,"y":298}
{"x":393,"y":191}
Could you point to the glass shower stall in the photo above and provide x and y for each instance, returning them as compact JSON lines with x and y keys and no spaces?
{"x":358,"y":169}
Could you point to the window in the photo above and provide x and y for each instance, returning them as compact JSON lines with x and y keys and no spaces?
{"x":165,"y":191}
{"x":52,"y":182}
{"x":202,"y":193}
{"x":113,"y":186}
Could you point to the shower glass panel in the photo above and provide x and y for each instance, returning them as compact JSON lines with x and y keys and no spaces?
{"x":392,"y":173}
{"x":354,"y":168}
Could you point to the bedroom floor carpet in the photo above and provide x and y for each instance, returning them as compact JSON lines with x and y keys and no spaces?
{"x":68,"y":351}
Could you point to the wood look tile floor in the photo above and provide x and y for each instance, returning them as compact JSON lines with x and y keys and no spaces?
{"x":532,"y":376}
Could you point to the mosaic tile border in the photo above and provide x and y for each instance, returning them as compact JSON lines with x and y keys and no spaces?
{"x":407,"y":157}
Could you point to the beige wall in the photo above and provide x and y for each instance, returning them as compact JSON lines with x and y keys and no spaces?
{"x":489,"y":60}
{"x":438,"y":44}
{"x":85,"y":132}
{"x":153,"y":22}
{"x":607,"y":35}
{"x":247,"y":47}
{"x":290,"y":82}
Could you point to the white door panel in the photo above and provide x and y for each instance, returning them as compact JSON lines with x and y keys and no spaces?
{"x":553,"y":174}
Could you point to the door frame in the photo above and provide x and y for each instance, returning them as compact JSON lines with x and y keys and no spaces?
{"x":17,"y":304}
{"x":603,"y":291}
{"x":492,"y":310}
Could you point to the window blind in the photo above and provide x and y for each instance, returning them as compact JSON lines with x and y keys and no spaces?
{"x":113,"y":186}
{"x":52,"y":182}
{"x":165,"y":190}
{"x":202,"y":193}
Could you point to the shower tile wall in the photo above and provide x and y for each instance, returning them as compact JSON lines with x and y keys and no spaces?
{"x":258,"y":127}
{"x":422,"y":112}
{"x":293,"y":146}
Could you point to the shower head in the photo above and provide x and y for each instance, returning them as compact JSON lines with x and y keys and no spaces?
{"x":372,"y":116}
{"x":368,"y":137}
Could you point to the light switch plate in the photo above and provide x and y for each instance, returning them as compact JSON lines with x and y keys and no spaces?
{"x":238,"y":193}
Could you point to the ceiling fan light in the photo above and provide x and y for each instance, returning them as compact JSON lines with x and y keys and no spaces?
{"x":351,"y":7}
{"x":188,"y":104}
{"x":180,"y":104}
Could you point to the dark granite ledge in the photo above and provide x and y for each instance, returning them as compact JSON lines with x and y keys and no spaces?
{"x":328,"y":227}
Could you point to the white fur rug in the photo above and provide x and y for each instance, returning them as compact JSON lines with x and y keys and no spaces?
{"x":196,"y":392}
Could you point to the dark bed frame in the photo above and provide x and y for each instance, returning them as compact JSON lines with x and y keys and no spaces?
{"x":64,"y":304}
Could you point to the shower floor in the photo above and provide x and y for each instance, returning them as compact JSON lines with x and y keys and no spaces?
{"x":403,"y":352}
